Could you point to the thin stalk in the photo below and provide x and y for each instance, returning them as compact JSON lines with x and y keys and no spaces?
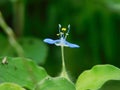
{"x":18,"y":16}
{"x":11,"y":36}
{"x":63,"y":73}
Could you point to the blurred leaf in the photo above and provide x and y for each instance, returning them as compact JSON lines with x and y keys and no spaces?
{"x":34,"y":49}
{"x":93,"y":79}
{"x":5,"y":47}
{"x":111,"y":85}
{"x":21,"y":71}
{"x":10,"y":86}
{"x":113,"y":4}
{"x":58,"y":83}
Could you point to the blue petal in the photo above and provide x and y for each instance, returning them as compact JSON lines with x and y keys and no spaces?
{"x":71,"y":45}
{"x":58,"y":43}
{"x":49,"y":41}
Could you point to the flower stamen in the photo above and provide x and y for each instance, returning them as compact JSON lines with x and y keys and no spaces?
{"x":58,"y":34}
{"x":63,"y":29}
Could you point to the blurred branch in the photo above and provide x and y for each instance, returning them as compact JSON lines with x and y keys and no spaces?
{"x":11,"y":37}
{"x":18,"y":16}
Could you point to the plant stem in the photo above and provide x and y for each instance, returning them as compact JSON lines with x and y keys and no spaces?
{"x":64,"y":72}
{"x":11,"y":37}
{"x":18,"y":16}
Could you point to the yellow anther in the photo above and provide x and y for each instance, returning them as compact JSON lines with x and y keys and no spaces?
{"x":58,"y":34}
{"x":63,"y":29}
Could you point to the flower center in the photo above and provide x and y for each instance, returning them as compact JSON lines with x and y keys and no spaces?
{"x":63,"y":32}
{"x":63,"y":29}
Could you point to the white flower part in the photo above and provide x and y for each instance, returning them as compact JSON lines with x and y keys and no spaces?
{"x":61,"y":42}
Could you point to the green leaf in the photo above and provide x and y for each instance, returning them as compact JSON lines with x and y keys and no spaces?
{"x":113,"y":5}
{"x":93,"y":79}
{"x":5,"y":47}
{"x":111,"y":85}
{"x":34,"y":49}
{"x":21,"y":71}
{"x":57,"y":83}
{"x":10,"y":86}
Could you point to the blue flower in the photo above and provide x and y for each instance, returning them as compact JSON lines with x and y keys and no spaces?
{"x":62,"y":40}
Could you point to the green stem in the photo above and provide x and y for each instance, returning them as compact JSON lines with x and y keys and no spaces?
{"x":63,"y":73}
{"x":11,"y":37}
{"x":18,"y":16}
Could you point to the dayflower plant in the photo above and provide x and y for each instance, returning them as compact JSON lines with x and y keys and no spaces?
{"x":62,"y":40}
{"x":63,"y":33}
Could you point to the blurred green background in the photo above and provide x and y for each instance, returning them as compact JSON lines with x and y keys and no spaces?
{"x":94,"y":26}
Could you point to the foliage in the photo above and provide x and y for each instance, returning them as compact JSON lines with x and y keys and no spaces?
{"x":21,"y":71}
{"x":27,"y":74}
{"x":93,"y":79}
{"x":58,"y":83}
{"x":32,"y":48}
{"x":10,"y":86}
{"x":94,"y":26}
